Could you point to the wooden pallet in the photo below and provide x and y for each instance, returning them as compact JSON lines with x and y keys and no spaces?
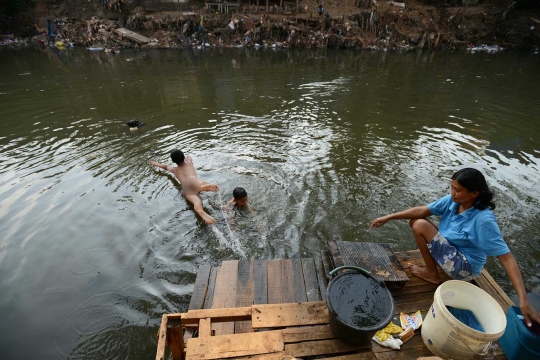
{"x":266,"y":309}
{"x":133,"y":36}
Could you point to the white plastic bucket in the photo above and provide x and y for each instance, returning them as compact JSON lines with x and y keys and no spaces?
{"x":447,"y":337}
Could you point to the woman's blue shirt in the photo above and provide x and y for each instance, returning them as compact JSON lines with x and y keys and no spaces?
{"x":473,"y":232}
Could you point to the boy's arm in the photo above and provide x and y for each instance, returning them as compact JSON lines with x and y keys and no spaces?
{"x":162,"y":166}
{"x":231,"y":202}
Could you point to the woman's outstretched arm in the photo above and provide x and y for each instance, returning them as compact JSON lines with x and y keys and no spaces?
{"x":418,"y":212}
{"x":512,"y":269}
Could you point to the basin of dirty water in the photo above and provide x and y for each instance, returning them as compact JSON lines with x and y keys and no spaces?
{"x":96,"y":244}
{"x":359,"y":302}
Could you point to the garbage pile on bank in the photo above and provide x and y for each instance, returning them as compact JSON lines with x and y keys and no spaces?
{"x":374,"y":26}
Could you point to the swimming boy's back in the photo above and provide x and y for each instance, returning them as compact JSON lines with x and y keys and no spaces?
{"x":184,"y":170}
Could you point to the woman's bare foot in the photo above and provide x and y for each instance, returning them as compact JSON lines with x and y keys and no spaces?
{"x":209,"y":187}
{"x":424,"y":274}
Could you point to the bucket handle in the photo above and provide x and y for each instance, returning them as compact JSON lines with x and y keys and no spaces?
{"x":364,"y":271}
{"x":467,"y":345}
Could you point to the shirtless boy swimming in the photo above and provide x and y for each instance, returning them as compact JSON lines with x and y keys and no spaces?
{"x":191,"y":185}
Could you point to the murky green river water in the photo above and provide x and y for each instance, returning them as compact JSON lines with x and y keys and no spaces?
{"x":96,"y":244}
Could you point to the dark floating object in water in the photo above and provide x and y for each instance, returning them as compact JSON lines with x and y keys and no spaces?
{"x":134,"y":124}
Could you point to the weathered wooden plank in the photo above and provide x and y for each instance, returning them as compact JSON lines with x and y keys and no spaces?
{"x":281,"y":315}
{"x":200,"y":287}
{"x":413,"y":261}
{"x":408,"y":255}
{"x":400,"y":299}
{"x":328,"y":263}
{"x":366,"y":355}
{"x":205,"y":327}
{"x":274,"y":356}
{"x":193,"y":316}
{"x":298,"y":280}
{"x":322,"y":347}
{"x":260,"y":295}
{"x":287,"y":282}
{"x":227,"y":346}
{"x":225,"y":294}
{"x":244,"y":293}
{"x":211,"y":286}
{"x":273,"y":270}
{"x":175,"y":334}
{"x":411,"y":354}
{"x":162,"y":338}
{"x":189,"y":333}
{"x":307,"y":333}
{"x":335,"y":255}
{"x":489,"y":285}
{"x":321,"y":278}
{"x":412,"y":307}
{"x":310,"y":280}
{"x":399,"y":291}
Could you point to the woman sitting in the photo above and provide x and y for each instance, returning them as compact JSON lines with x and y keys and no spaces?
{"x":467,"y":234}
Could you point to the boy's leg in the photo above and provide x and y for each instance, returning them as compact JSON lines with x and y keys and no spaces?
{"x":424,"y":231}
{"x":207,"y":186}
{"x":197,"y":203}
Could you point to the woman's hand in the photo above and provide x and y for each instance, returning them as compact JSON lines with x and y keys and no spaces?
{"x":378,"y":222}
{"x":529,"y":313}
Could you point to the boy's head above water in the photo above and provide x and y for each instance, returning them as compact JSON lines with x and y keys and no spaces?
{"x":177,"y":156}
{"x":240,"y":196}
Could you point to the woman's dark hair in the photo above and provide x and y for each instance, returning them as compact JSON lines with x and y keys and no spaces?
{"x":177,"y":157}
{"x":473,"y":180}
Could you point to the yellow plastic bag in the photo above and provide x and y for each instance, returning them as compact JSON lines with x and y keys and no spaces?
{"x":385,"y":333}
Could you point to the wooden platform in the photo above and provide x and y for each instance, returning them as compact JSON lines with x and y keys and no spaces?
{"x":266,"y":309}
{"x":133,"y":36}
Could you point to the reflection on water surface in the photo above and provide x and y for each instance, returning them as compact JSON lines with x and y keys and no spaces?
{"x":97,"y":244}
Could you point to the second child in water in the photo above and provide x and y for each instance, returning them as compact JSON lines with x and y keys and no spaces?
{"x":240,"y":198}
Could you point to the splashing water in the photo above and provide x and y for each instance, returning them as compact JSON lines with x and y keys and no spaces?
{"x":222,"y":239}
{"x":223,"y":213}
{"x":235,"y":244}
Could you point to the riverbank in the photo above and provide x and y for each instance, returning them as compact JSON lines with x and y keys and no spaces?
{"x":372,"y":25}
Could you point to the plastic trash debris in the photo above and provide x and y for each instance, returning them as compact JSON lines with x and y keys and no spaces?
{"x":390,"y":342}
{"x":413,"y":321}
{"x":387,"y":332}
{"x":486,"y":48}
{"x":135,"y":124}
{"x":398,"y":4}
{"x":95,"y":48}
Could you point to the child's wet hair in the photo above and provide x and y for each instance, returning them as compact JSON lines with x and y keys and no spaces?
{"x":239,"y":193}
{"x":177,"y":156}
